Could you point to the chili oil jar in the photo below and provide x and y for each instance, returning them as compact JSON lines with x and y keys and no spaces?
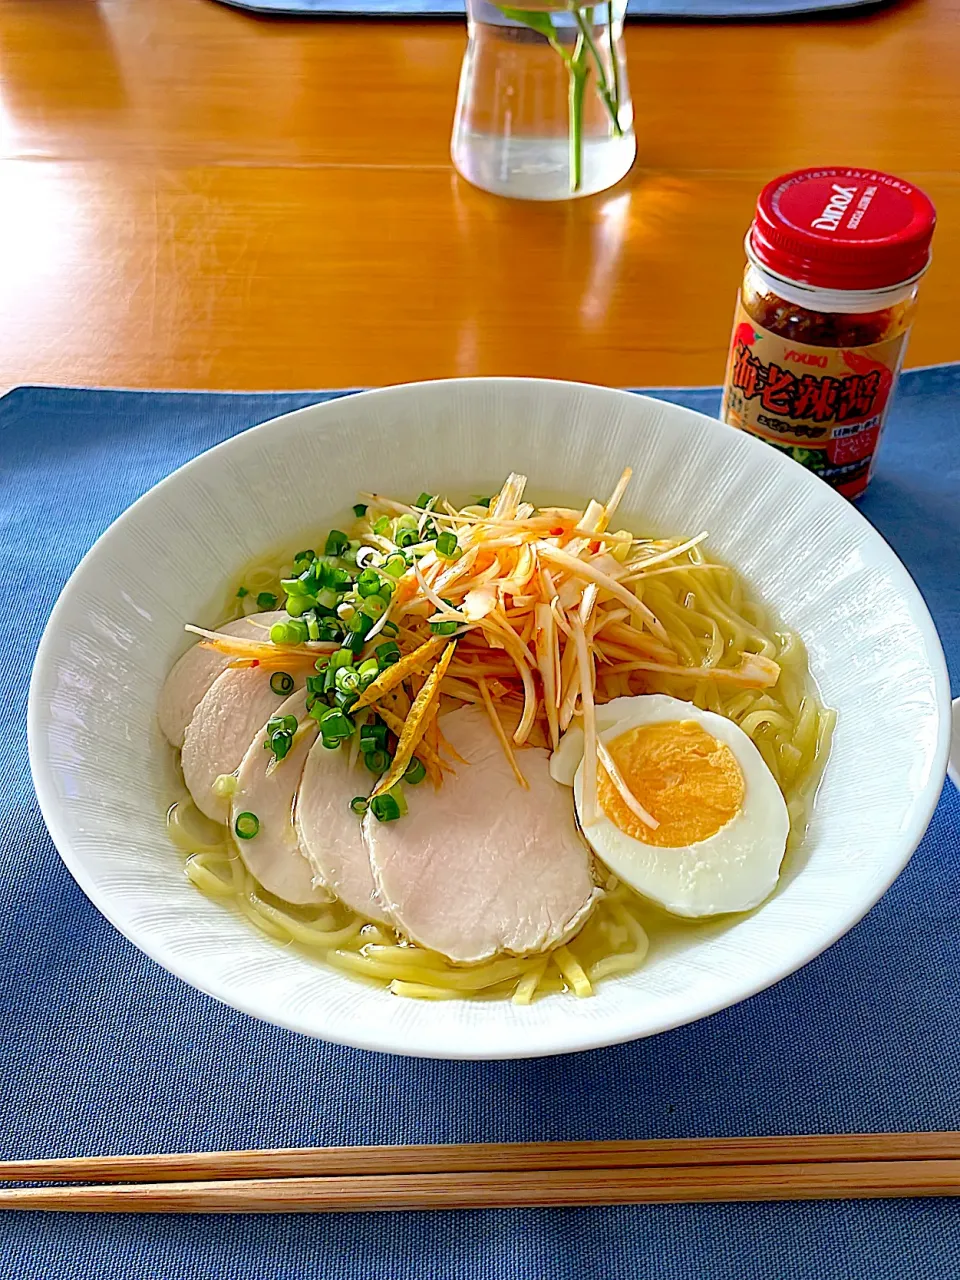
{"x":834,"y":257}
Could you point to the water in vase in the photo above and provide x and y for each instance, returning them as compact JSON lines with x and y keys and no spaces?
{"x":544,"y":110}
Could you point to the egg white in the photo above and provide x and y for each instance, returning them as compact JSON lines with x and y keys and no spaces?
{"x":734,"y":869}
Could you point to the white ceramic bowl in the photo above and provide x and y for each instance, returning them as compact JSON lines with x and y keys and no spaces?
{"x":104,"y":778}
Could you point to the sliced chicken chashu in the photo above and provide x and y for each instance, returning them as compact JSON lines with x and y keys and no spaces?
{"x":483,"y":866}
{"x":273,"y":855}
{"x":331,"y":835}
{"x":196,"y":671}
{"x":238,"y":703}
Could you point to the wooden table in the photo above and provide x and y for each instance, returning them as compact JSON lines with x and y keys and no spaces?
{"x":195,"y":197}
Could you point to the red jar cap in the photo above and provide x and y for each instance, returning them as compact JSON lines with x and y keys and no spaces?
{"x":842,"y":228}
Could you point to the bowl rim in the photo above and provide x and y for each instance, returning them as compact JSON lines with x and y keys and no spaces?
{"x":577,"y":1036}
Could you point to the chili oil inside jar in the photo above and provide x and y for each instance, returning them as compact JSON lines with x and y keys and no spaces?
{"x":834,"y":257}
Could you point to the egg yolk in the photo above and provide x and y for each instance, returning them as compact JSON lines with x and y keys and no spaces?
{"x":683,"y":777}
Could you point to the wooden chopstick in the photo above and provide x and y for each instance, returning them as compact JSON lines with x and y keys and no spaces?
{"x":485,"y":1157}
{"x":347,"y":1179}
{"x":540,"y":1188}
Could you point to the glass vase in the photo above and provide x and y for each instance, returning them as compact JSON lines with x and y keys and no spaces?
{"x":544,"y":110}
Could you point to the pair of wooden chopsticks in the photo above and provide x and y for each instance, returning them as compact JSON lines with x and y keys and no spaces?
{"x":478,"y":1176}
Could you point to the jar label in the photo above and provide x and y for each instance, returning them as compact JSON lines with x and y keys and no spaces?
{"x":825,"y":406}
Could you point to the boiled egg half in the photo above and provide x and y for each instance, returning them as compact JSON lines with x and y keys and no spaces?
{"x":722,"y":821}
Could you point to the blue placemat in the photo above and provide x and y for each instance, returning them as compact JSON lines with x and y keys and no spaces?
{"x":101,"y":1051}
{"x":742,"y":10}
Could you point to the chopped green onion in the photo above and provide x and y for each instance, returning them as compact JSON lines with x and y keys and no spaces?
{"x":347,"y":680}
{"x":382,"y":526}
{"x":266,"y":600}
{"x":407,"y":522}
{"x":407,"y":537}
{"x":430,"y":531}
{"x":280,"y":742}
{"x":369,"y":667}
{"x":292,"y":586}
{"x":396,"y":566}
{"x":296,"y":605}
{"x":345,"y":700}
{"x":373,"y":736}
{"x":224,"y":785}
{"x":242,"y":592}
{"x":329,"y":631}
{"x":376,"y":761}
{"x":360,"y":510}
{"x":278,"y":633}
{"x":340,"y":580}
{"x":425,"y":499}
{"x":318,"y":708}
{"x":327,"y":600}
{"x":313,"y":627}
{"x":385,"y":808}
{"x":304,"y":557}
{"x":387,"y":654}
{"x":282,"y":682}
{"x":315,"y":684}
{"x":359,"y":803}
{"x":368,"y":583}
{"x":282,"y":723}
{"x":387,"y":588}
{"x":483,"y":502}
{"x":296,"y":631}
{"x":355,"y":640}
{"x":337,"y":543}
{"x":445,"y":628}
{"x":361,"y":623}
{"x":390,"y":629}
{"x":374,"y":607}
{"x":330,"y":743}
{"x":448,"y":547}
{"x":334,"y":724}
{"x":415,"y":772}
{"x":247,"y":825}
